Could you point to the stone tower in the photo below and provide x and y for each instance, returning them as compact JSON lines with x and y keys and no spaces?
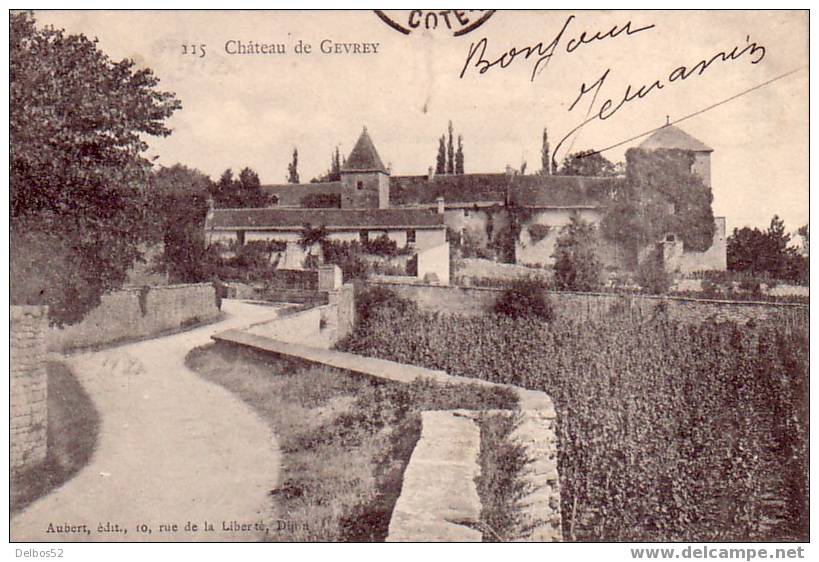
{"x":365,"y":180}
{"x":673,"y":137}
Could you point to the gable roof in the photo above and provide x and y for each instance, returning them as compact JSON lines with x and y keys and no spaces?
{"x":673,"y":137}
{"x":291,"y":194}
{"x":332,"y":219}
{"x":364,"y":157}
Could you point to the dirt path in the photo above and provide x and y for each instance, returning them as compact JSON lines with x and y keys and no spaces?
{"x":172,"y":449}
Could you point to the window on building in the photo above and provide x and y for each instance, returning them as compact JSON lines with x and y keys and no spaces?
{"x":670,"y":238}
{"x":466,"y":212}
{"x":411,"y":236}
{"x":363,"y":236}
{"x":359,"y":185}
{"x":240,"y":237}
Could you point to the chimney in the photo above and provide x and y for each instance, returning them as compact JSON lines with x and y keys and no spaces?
{"x":509,"y":170}
{"x":431,"y":173}
{"x":440,"y":201}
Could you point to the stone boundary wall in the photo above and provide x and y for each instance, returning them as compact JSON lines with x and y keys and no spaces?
{"x":473,"y":301}
{"x":537,"y":432}
{"x":28,"y":415}
{"x":136,"y":313}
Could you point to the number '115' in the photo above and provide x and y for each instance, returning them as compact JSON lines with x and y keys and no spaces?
{"x":193,"y":49}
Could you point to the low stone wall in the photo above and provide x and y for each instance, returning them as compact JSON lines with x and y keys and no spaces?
{"x":28,"y":415}
{"x":473,"y":301}
{"x":320,"y":326}
{"x":298,"y":296}
{"x":137,"y":313}
{"x":417,"y":520}
{"x":439,"y":500}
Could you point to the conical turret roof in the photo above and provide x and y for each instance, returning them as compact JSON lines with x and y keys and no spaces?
{"x":364,"y":157}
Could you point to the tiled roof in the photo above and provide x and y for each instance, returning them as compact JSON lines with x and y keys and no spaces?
{"x":337,"y":219}
{"x":673,"y":137}
{"x":562,"y":191}
{"x":291,"y":194}
{"x":364,"y":157}
{"x":465,"y":188}
{"x":525,"y":190}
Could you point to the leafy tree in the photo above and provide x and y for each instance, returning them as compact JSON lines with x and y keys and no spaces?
{"x":804,"y":233}
{"x":459,"y":156}
{"x":767,"y":253}
{"x":450,"y":153}
{"x":77,"y":173}
{"x":577,"y":267}
{"x":586,"y":163}
{"x":250,"y":190}
{"x":440,"y":161}
{"x":545,"y":155}
{"x":293,"y":168}
{"x":334,"y":173}
{"x":177,"y":203}
{"x":244,"y":192}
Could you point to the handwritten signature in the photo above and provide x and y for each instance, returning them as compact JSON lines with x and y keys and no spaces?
{"x":477,"y":58}
{"x":752,"y":50}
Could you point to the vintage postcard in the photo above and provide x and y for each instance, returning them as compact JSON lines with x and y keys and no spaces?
{"x":410,"y":276}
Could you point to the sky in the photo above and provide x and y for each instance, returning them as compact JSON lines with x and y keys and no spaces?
{"x":252,"y":110}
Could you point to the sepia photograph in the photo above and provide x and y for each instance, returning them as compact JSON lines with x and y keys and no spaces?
{"x":410,"y":276}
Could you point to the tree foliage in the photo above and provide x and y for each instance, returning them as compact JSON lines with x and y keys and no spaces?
{"x":177,"y":206}
{"x":577,"y":267}
{"x":334,"y":172}
{"x":293,"y":168}
{"x":583,"y":163}
{"x":450,"y":152}
{"x":440,"y":160}
{"x":242,"y":192}
{"x":459,"y":156}
{"x":449,"y":159}
{"x":525,"y":298}
{"x":77,"y":172}
{"x":545,"y":155}
{"x":767,"y":253}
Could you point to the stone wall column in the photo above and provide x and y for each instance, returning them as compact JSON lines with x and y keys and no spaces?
{"x":28,"y":413}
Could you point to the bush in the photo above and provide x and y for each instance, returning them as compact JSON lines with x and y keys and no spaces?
{"x":751,"y":285}
{"x":381,"y":246}
{"x":347,"y":256}
{"x":375,"y":299}
{"x":652,"y":276}
{"x":576,"y":265}
{"x":538,"y":232}
{"x":525,"y":297}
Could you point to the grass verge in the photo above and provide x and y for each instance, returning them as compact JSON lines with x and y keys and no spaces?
{"x":501,"y":484}
{"x":73,"y":424}
{"x":345,"y":439}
